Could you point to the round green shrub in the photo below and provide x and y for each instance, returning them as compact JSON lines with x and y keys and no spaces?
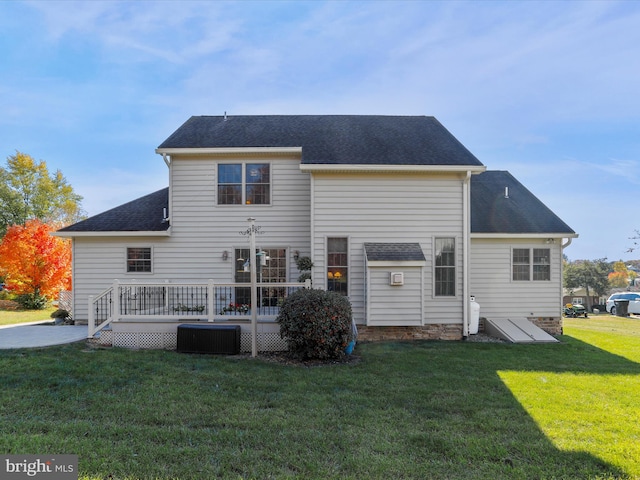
{"x":61,"y":313}
{"x":32,"y":301}
{"x":316,"y":324}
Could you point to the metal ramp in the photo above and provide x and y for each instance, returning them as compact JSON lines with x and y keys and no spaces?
{"x":517,"y":330}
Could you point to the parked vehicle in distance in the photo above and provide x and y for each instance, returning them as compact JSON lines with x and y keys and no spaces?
{"x":575,"y":310}
{"x":634,"y":302}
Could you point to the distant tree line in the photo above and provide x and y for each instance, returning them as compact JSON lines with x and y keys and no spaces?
{"x":597,"y":277}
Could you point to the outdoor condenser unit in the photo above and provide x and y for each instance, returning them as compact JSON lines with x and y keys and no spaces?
{"x":221,"y":339}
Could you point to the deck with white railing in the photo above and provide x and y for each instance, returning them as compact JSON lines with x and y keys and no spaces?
{"x":155,"y":309}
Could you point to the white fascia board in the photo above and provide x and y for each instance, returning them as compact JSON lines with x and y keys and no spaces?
{"x":325,"y":167}
{"x":396,"y":263}
{"x":524,"y":235}
{"x":163,"y":233}
{"x":227,"y":150}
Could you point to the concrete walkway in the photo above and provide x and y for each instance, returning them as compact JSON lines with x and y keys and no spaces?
{"x":33,"y":335}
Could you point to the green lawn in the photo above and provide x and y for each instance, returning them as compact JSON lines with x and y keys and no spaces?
{"x":11,"y":317}
{"x":450,"y":410}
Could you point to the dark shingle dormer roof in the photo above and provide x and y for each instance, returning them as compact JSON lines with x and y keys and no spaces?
{"x":520,"y":213}
{"x":144,"y":214}
{"x":331,"y":139}
{"x":381,"y":252}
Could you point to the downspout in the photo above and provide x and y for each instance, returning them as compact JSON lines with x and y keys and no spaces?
{"x":167,"y":216}
{"x":466,"y":233}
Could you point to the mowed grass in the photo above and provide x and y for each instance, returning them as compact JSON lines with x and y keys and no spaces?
{"x":590,"y":409}
{"x":11,"y":317}
{"x":449,"y":410}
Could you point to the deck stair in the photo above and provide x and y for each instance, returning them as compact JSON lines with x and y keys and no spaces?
{"x":517,"y":330}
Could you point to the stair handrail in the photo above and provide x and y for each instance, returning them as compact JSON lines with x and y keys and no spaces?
{"x":94,"y":306}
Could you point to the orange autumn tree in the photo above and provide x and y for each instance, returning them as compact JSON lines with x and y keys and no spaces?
{"x":33,"y":262}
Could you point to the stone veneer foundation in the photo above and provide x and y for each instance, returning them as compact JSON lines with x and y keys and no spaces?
{"x":551,"y":325}
{"x":436,"y":331}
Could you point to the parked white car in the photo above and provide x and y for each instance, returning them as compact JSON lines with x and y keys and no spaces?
{"x":634,"y":302}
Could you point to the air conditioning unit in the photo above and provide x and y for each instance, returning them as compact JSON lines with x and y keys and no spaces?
{"x":221,"y":339}
{"x":396,"y":279}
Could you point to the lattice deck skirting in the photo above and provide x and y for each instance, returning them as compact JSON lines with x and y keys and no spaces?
{"x":145,"y":340}
{"x":267,"y":342}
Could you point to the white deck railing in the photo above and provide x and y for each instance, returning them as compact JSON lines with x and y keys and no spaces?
{"x":174,"y":302}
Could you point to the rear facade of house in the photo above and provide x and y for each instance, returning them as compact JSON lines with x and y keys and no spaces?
{"x":394,"y":212}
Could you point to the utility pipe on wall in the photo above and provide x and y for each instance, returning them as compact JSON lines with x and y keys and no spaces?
{"x":254,"y":287}
{"x":466,"y":233}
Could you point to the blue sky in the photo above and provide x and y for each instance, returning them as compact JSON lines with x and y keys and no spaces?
{"x":547,"y":90}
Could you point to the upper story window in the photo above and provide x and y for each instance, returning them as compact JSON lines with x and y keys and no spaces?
{"x":139,"y":260}
{"x":445,"y":267}
{"x":531,"y":264}
{"x":244,"y":184}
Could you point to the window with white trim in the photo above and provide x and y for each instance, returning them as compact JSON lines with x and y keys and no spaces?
{"x":445,"y":267}
{"x":244,"y":184}
{"x":337,"y":265}
{"x":139,"y":260}
{"x":531,"y":264}
{"x":273,"y":269}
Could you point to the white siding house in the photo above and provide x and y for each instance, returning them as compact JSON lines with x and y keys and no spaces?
{"x":363,"y":196}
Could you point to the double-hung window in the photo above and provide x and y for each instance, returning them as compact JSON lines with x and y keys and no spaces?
{"x":531,"y":264}
{"x":139,"y":260}
{"x":244,"y":184}
{"x":445,"y":267}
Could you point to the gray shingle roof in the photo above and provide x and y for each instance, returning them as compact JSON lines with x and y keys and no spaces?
{"x":394,"y":252}
{"x":143,"y":214}
{"x":520,"y":213}
{"x":347,"y":139}
{"x":331,"y":139}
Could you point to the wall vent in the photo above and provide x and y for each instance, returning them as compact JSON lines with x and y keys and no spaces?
{"x":396,"y":278}
{"x":222,"y":339}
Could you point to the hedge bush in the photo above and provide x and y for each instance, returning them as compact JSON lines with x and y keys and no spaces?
{"x":316,"y":324}
{"x":32,"y":301}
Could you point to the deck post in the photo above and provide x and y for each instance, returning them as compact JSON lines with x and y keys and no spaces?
{"x":92,"y":318}
{"x":116,"y":300}
{"x":211,"y":301}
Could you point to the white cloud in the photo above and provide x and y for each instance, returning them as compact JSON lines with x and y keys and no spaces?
{"x":527,"y":86}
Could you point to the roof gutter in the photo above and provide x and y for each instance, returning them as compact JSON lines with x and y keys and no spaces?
{"x":139,"y":233}
{"x":227,"y":150}
{"x":525,"y":235}
{"x":382,"y":168}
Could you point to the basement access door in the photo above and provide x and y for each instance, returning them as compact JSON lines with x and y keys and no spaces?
{"x":517,"y":330}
